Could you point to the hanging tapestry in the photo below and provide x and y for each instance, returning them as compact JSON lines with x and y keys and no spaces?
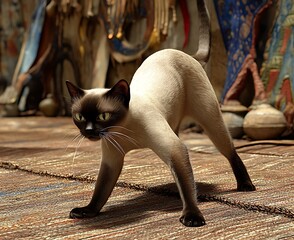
{"x":277,"y":72}
{"x":238,"y":21}
{"x":11,"y":36}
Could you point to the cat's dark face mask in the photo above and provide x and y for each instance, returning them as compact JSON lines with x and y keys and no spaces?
{"x":97,"y":114}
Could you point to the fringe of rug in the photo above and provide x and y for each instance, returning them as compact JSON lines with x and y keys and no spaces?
{"x":160,"y":191}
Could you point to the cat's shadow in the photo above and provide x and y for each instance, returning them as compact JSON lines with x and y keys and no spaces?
{"x":162,"y":199}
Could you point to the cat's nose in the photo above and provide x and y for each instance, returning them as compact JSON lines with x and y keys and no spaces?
{"x":90,"y":133}
{"x":89,"y":127}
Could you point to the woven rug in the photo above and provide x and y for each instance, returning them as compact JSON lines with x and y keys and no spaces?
{"x":45,"y":172}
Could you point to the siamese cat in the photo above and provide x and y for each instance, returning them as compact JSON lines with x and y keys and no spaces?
{"x":168,"y":86}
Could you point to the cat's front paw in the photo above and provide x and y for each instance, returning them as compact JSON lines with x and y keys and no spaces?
{"x":83,"y":212}
{"x":192,"y":220}
{"x":246,"y":187}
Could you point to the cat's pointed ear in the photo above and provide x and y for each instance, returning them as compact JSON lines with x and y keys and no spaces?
{"x":121,"y":91}
{"x":74,"y":91}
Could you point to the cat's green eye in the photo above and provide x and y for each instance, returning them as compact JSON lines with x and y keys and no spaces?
{"x":79,"y":117}
{"x":104,"y":116}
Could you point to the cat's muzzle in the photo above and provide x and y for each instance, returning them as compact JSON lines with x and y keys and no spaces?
{"x":92,"y":135}
{"x":94,"y":138}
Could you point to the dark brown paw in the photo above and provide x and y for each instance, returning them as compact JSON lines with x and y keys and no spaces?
{"x":84,"y":212}
{"x":246,"y":187}
{"x":192,"y":220}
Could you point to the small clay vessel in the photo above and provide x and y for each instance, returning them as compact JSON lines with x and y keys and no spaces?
{"x":264,"y":122}
{"x":49,"y":107}
{"x":234,"y":122}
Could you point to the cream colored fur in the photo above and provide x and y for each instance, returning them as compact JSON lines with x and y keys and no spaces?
{"x":168,"y":86}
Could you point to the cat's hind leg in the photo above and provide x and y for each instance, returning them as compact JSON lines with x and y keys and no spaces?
{"x":213,"y":124}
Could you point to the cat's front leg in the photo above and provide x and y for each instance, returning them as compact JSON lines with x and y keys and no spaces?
{"x":110,"y":169}
{"x":183,"y":175}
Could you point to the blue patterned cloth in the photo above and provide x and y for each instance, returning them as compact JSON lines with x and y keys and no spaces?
{"x":236,"y":20}
{"x":34,"y":37}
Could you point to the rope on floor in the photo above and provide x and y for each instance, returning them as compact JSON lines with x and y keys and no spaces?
{"x":160,"y":191}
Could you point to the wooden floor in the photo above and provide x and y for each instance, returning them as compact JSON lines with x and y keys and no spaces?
{"x":45,"y":171}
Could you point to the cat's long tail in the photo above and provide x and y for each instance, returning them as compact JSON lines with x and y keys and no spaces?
{"x":203,"y":52}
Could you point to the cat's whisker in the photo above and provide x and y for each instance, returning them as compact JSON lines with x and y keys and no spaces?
{"x":72,"y":140}
{"x":104,"y":139}
{"x":109,"y":138}
{"x":69,"y":131}
{"x":125,"y":137}
{"x":77,"y":136}
{"x":118,"y":146}
{"x":77,"y":147}
{"x":121,"y":127}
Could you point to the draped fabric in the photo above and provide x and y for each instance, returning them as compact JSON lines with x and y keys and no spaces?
{"x":277,"y":72}
{"x":34,"y":36}
{"x":239,"y":25}
{"x":11,"y":36}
